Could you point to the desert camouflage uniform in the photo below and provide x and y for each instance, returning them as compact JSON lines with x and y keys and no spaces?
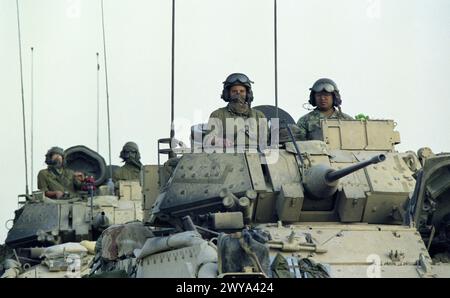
{"x":127,"y":172}
{"x":52,"y":179}
{"x":226,"y":112}
{"x":309,"y":124}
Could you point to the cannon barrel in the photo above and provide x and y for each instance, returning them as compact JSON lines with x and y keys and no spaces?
{"x":338,"y":174}
{"x":321,"y":181}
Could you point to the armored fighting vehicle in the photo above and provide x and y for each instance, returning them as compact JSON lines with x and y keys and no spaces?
{"x":46,"y":233}
{"x":346,"y":205}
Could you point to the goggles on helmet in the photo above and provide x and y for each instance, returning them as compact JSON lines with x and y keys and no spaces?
{"x":55,"y":150}
{"x":323,"y":86}
{"x":129,"y":149}
{"x":237,"y":78}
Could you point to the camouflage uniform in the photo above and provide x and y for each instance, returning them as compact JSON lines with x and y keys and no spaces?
{"x":226,"y":112}
{"x":52,"y":179}
{"x":127,"y":172}
{"x":310,"y":123}
{"x":131,"y":170}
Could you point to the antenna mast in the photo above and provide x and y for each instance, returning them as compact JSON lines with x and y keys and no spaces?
{"x":98,"y":104}
{"x":107,"y":92}
{"x":23,"y":102}
{"x":172,"y":89}
{"x":275,"y":53}
{"x":32,"y":118}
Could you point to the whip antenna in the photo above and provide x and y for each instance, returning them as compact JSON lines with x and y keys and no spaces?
{"x":275,"y":53}
{"x":107,"y":93}
{"x":172,"y":83}
{"x":98,"y":104}
{"x":32,"y":118}
{"x":23,"y":101}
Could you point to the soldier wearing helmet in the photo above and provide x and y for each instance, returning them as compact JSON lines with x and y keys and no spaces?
{"x":327,"y":101}
{"x":57,"y":181}
{"x":237,"y":92}
{"x":131,"y":170}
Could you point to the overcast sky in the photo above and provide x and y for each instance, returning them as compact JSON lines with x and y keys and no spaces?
{"x":390,"y":60}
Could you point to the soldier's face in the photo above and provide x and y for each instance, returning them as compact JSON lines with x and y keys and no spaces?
{"x":130,"y":154}
{"x":57,"y":159}
{"x":238,"y":92}
{"x":324,"y":100}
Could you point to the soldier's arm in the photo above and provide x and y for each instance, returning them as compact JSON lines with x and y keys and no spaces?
{"x":42,"y":182}
{"x":54,"y":194}
{"x":216,"y":127}
{"x":209,"y":124}
{"x":116,"y":176}
{"x":43,"y":186}
{"x":302,"y":124}
{"x":260,"y":116}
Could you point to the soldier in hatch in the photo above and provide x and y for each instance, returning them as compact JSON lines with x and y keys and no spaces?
{"x":131,"y":170}
{"x":57,"y":181}
{"x":237,"y":122}
{"x":327,"y":100}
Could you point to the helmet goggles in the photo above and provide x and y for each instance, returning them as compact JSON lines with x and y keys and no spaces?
{"x":129,"y":149}
{"x":236,"y":78}
{"x":55,"y":150}
{"x":323,"y":86}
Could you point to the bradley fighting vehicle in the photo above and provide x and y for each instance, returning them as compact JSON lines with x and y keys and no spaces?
{"x":347,"y":205}
{"x":45,"y":232}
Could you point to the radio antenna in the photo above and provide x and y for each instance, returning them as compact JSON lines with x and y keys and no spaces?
{"x":172,"y":83}
{"x":23,"y":101}
{"x":107,"y":93}
{"x":32,"y":117}
{"x":275,"y":53}
{"x":98,"y":104}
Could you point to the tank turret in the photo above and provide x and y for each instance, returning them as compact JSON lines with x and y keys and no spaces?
{"x":300,"y":203}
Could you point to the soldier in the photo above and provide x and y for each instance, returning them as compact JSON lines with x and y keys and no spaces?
{"x":326,"y":98}
{"x":237,"y":91}
{"x":131,"y":170}
{"x":56,"y":181}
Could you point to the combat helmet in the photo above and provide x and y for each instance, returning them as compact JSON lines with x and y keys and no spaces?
{"x":130,"y":150}
{"x":237,"y":79}
{"x":50,"y":152}
{"x":329,"y":86}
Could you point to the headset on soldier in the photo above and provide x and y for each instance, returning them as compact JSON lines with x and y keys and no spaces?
{"x":130,"y":151}
{"x":48,"y":156}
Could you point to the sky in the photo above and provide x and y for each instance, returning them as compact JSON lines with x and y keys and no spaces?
{"x":390,"y":60}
